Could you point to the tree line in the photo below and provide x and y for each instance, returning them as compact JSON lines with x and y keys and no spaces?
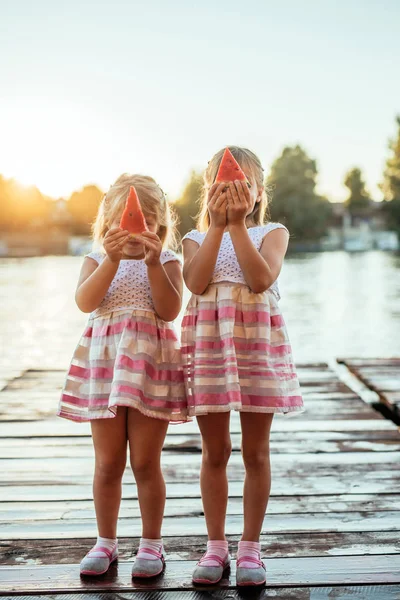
{"x":291,"y":183}
{"x":291,"y":186}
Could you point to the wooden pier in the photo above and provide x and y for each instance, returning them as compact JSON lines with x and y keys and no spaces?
{"x":382,"y":375}
{"x":331,"y":529}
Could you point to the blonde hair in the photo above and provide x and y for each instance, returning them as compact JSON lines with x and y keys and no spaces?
{"x":245,"y":158}
{"x":152,"y":200}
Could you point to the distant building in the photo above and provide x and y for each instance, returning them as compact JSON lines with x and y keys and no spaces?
{"x":366,"y":230}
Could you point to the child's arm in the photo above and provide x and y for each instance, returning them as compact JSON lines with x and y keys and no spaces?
{"x":166,"y":289}
{"x":260,"y":268}
{"x":94,"y":279}
{"x":199,"y":262}
{"x":165,"y":281}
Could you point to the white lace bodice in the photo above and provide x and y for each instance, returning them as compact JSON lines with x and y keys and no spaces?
{"x":130,"y":287}
{"x":227,"y":267}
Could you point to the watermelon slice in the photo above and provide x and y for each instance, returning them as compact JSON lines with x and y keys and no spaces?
{"x":132,"y":218}
{"x":229,"y":169}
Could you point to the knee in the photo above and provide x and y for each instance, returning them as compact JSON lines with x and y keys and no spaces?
{"x":256,"y":459}
{"x":144,"y":467}
{"x":110,"y":470}
{"x":217,"y":457}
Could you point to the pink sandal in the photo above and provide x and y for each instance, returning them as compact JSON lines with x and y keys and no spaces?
{"x":145,"y":567}
{"x":250,"y":575}
{"x":209,"y":575}
{"x":97,"y":565}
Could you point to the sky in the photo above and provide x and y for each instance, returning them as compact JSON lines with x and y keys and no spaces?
{"x":89,"y":90}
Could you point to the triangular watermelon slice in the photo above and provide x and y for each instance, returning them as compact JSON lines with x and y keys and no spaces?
{"x":229,"y":169}
{"x":132,"y":218}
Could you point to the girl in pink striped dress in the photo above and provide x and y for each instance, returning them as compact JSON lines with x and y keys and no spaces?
{"x":126,"y":375}
{"x":236,"y":353}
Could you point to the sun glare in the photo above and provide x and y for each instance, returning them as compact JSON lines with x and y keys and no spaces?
{"x":45,"y":140}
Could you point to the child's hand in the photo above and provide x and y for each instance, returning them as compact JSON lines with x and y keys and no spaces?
{"x":239,"y":202}
{"x":217,"y":204}
{"x":152,"y":247}
{"x":114,"y":241}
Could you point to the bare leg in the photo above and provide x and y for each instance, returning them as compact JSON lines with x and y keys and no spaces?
{"x":146,"y":439}
{"x":216,"y":445}
{"x":110,"y":443}
{"x":257,"y":484}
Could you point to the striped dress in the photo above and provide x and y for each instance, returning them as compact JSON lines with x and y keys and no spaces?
{"x":235,"y":348}
{"x":127,"y":355}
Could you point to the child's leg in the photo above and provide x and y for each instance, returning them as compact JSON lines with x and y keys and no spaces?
{"x":216,"y":447}
{"x":110,"y":443}
{"x":255,"y":450}
{"x":146,"y":438}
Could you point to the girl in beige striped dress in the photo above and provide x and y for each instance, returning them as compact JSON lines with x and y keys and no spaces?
{"x":236,"y":353}
{"x":126,"y":374}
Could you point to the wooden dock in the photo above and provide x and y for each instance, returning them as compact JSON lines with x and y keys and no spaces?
{"x":331,"y":529}
{"x":382,"y":375}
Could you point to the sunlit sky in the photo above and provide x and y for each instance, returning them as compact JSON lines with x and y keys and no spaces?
{"x":92,"y":89}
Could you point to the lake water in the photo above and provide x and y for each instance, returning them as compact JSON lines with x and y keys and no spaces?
{"x":335,"y":304}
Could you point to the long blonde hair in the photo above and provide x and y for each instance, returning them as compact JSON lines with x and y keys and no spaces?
{"x":245,"y":158}
{"x":152,"y":200}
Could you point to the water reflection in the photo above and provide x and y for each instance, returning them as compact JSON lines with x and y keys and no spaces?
{"x":335,"y":304}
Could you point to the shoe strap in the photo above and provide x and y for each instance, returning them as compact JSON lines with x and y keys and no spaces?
{"x":157,"y":554}
{"x":101,"y":549}
{"x":208,"y":556}
{"x":251,"y":559}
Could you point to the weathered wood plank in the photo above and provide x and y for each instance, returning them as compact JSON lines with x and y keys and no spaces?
{"x":288,"y":485}
{"x":371,"y":362}
{"x":183,"y":468}
{"x":195,"y":525}
{"x":364,"y":592}
{"x":282,"y":572}
{"x":84,"y":509}
{"x":32,"y":409}
{"x":274,"y":545}
{"x":381,"y":376}
{"x":60,"y":427}
{"x":381,"y":592}
{"x":44,"y":447}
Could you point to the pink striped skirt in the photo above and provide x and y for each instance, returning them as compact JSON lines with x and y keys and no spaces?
{"x":236,"y":353}
{"x":125,"y":358}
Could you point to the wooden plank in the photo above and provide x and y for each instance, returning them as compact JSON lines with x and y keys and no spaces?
{"x":195,"y":525}
{"x":186,"y":467}
{"x":274,"y":545}
{"x":32,"y":409}
{"x":191,"y":443}
{"x":288,"y":485}
{"x":364,"y":592}
{"x":371,"y":362}
{"x":282,"y":572}
{"x":381,"y":376}
{"x":83,"y":447}
{"x":84,"y":509}
{"x":58,"y":427}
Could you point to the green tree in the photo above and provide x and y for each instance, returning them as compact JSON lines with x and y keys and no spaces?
{"x":292,"y":181}
{"x":359,"y":200}
{"x":391,"y":183}
{"x":83,"y":206}
{"x":187,"y":206}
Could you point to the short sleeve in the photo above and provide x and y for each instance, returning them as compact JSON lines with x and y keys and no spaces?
{"x":97,"y":256}
{"x":195,"y":236}
{"x":168,"y":256}
{"x":265,"y":229}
